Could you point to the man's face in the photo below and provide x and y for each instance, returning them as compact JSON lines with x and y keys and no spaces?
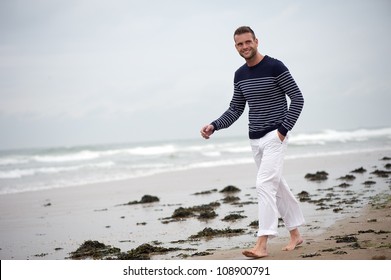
{"x":246,"y":45}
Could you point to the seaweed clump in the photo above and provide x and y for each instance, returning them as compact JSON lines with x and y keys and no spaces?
{"x":94,"y":250}
{"x":205,"y":192}
{"x":204,"y":215}
{"x":359,"y":170}
{"x":99,"y":251}
{"x":205,"y":211}
{"x":381,"y":173}
{"x":254,"y":224}
{"x":345,"y":239}
{"x":144,"y":252}
{"x":230,"y":199}
{"x":318,"y":176}
{"x":210,"y":233}
{"x":347,"y":177}
{"x":145,"y":199}
{"x":230,"y":189}
{"x":233,"y":217}
{"x":182,"y":212}
{"x":304,"y":196}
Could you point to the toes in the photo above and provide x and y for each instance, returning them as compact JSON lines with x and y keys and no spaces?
{"x":293,"y":246}
{"x":251,"y":254}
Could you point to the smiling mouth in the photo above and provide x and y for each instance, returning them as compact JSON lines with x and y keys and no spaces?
{"x":247,"y":52}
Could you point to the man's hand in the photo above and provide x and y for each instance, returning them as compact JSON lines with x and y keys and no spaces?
{"x":207,"y":131}
{"x":282,"y":137}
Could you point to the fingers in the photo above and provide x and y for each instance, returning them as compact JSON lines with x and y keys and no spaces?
{"x":282,"y":137}
{"x":204,"y":132}
{"x":207,"y":131}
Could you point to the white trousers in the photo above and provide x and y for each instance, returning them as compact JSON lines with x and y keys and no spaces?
{"x":274,"y":196}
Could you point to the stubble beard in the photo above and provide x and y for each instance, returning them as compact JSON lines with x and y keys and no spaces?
{"x":250,"y":56}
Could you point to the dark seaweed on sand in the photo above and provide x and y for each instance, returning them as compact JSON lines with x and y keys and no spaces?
{"x":359,"y":170}
{"x":318,"y":176}
{"x":230,"y":189}
{"x":344,"y":185}
{"x":207,"y":215}
{"x":233,"y":217}
{"x":209,"y":232}
{"x":205,"y":207}
{"x":310,"y":255}
{"x":304,"y":196}
{"x":369,"y":183}
{"x":99,"y":251}
{"x":94,"y":250}
{"x":144,"y":252}
{"x":230,"y":199}
{"x":254,"y":224}
{"x":198,"y":254}
{"x":347,"y":177}
{"x":182,"y":212}
{"x":205,"y":192}
{"x":145,"y":199}
{"x":381,"y":173}
{"x":345,"y":239}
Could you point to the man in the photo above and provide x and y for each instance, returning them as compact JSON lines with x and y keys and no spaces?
{"x":263,"y":83}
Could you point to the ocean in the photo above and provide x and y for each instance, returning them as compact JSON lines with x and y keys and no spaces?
{"x":60,"y":167}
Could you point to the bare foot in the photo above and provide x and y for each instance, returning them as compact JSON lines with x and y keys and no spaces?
{"x":254,"y":254}
{"x":293,"y":244}
{"x":259,"y":250}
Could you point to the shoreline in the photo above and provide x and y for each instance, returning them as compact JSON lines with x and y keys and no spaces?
{"x":53,"y":223}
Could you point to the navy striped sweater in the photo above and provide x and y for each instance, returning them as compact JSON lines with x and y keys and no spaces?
{"x":264,"y":87}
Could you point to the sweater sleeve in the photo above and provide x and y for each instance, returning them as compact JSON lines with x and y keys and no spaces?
{"x":235,"y":110}
{"x":290,"y":88}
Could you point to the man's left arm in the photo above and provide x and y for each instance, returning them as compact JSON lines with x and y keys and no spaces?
{"x":289,"y":86}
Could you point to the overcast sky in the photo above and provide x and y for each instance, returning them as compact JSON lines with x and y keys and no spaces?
{"x":85,"y":72}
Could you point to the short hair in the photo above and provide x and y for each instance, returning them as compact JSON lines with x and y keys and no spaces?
{"x":244,"y":29}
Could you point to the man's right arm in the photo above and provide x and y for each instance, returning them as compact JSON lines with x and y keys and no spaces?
{"x":235,"y":110}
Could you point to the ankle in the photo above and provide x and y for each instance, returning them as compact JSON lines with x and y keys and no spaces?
{"x":295,"y":233}
{"x":262,"y":242}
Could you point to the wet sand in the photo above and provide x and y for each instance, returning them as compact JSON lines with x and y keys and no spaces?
{"x":364,"y":235}
{"x":53,"y":224}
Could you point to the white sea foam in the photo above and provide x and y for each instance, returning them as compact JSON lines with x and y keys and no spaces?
{"x":211,"y":154}
{"x":221,"y":163}
{"x":327,"y":136}
{"x":153,"y":150}
{"x":76,"y":156}
{"x":19,"y":173}
{"x":27,"y":170}
{"x":320,"y":154}
{"x":13,"y":161}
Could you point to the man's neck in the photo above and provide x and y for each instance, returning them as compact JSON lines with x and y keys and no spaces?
{"x":255,"y":60}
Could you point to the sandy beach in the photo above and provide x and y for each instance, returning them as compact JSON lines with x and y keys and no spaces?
{"x":347,"y":218}
{"x":365,"y":235}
